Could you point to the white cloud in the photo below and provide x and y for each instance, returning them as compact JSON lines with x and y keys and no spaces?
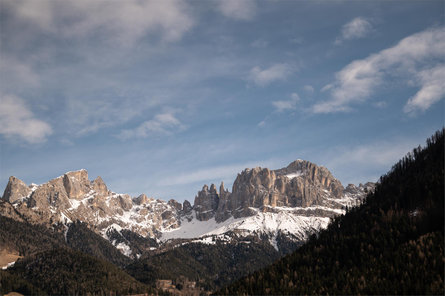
{"x":17,"y":120}
{"x":263,"y":77}
{"x":355,"y":29}
{"x":414,"y":54}
{"x":238,"y":9}
{"x":163,"y":123}
{"x":122,"y":21}
{"x":432,"y":89}
{"x":285,"y":105}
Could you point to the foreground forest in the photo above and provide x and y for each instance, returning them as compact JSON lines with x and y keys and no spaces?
{"x":392,"y":244}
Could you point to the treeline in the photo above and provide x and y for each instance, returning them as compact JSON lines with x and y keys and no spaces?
{"x":211,"y":266}
{"x":80,"y":237}
{"x":392,"y":244}
{"x":26,"y":238}
{"x":68,"y":272}
{"x":52,"y":266}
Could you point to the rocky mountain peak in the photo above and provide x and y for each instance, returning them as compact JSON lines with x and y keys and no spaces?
{"x":76,"y":184}
{"x":141,"y":199}
{"x":206,"y":202}
{"x":300,"y":184}
{"x":100,"y":187}
{"x":15,"y":189}
{"x":73,"y":196}
{"x":302,"y":189}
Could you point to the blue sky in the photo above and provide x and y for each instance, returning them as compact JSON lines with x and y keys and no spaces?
{"x":161,"y":97}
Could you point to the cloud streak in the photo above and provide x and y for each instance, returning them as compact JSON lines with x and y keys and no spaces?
{"x":285,"y":105}
{"x":374,"y":159}
{"x":18,"y":121}
{"x":240,"y":10}
{"x":220,"y":173}
{"x":263,"y":77}
{"x":161,"y":124}
{"x":414,"y":54}
{"x":121,"y":21}
{"x":432,"y":89}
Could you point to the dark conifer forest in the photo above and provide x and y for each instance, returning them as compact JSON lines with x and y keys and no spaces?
{"x":392,"y":244}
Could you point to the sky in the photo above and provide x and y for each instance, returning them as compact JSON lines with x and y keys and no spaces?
{"x":162,"y":97}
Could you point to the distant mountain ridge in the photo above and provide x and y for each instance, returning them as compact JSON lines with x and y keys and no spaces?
{"x":295,"y":201}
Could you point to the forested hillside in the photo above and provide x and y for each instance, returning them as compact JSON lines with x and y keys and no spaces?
{"x":393,"y":244}
{"x":80,"y":238}
{"x":27,"y":239}
{"x":67,"y":272}
{"x":211,"y":266}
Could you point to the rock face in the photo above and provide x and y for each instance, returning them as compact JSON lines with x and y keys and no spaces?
{"x":206,"y":203}
{"x":291,"y":201}
{"x":15,"y":190}
{"x":300,"y":184}
{"x":73,"y":197}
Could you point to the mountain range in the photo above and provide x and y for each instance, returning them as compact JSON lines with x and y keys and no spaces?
{"x":292,"y":202}
{"x":294,"y":230}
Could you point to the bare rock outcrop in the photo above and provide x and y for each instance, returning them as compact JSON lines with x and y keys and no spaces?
{"x":300,"y":184}
{"x":186,"y":207}
{"x":141,"y":199}
{"x":304,"y":188}
{"x":73,"y":197}
{"x":15,"y":190}
{"x":206,"y":203}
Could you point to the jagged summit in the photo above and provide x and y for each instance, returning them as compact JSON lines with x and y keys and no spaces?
{"x":300,"y":184}
{"x":261,"y":201}
{"x":72,"y":196}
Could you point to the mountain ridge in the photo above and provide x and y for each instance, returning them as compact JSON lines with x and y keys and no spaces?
{"x":302,"y":192}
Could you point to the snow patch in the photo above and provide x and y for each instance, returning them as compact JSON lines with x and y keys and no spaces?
{"x":294,"y":175}
{"x":269,"y":223}
{"x":10,"y":264}
{"x":75,"y":203}
{"x":64,"y":219}
{"x":124,"y":249}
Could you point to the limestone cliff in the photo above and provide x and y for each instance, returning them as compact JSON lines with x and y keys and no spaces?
{"x":302,"y":192}
{"x":300,"y":184}
{"x":73,"y":197}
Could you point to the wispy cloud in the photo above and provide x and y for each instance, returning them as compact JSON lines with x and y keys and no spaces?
{"x":161,"y":124}
{"x":359,"y":27}
{"x":432,"y":89}
{"x":18,"y":121}
{"x":414,"y":54}
{"x":285,"y":105}
{"x":236,"y":9}
{"x":122,"y":21}
{"x":87,"y":115}
{"x":217,"y":173}
{"x":276,"y":72}
{"x":374,"y":159}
